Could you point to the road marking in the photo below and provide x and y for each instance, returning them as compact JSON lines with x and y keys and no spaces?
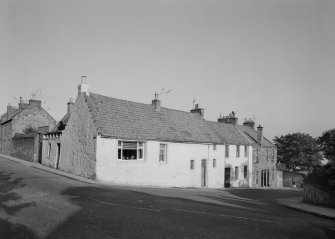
{"x":178,"y":209}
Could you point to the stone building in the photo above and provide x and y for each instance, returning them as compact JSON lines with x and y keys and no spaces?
{"x":264,"y":159}
{"x":126,"y":142}
{"x":26,"y":119}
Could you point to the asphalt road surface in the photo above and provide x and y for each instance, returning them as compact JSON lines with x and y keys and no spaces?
{"x":38,"y":204}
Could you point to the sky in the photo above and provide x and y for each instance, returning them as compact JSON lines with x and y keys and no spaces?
{"x":269,"y":59}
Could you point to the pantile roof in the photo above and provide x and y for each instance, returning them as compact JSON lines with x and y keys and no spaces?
{"x":131,"y":120}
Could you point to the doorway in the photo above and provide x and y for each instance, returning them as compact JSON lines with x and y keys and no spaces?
{"x":58,"y":155}
{"x":203,"y":172}
{"x":227,"y":177}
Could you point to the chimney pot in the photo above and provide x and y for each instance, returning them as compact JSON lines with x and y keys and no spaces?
{"x":230,"y":119}
{"x":83,"y":87}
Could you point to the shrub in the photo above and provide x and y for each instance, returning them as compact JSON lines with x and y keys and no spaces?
{"x":323,"y":177}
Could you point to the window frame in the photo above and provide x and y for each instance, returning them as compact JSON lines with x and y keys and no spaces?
{"x":49,"y":150}
{"x":227,"y":151}
{"x":192,"y":164}
{"x":165,"y":153}
{"x":237,"y":151}
{"x":257,"y":155}
{"x":214,"y":163}
{"x":214,"y":147}
{"x":273,"y":155}
{"x":273,"y":174}
{"x":140,"y":146}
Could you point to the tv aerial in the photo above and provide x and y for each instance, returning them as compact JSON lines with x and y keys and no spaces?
{"x":163,"y":90}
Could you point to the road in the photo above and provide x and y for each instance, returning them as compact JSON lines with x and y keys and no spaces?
{"x":38,"y":204}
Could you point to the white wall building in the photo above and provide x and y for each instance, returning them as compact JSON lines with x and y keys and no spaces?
{"x":119,"y":141}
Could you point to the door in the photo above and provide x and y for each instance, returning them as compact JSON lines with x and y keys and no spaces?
{"x":40,"y":146}
{"x":203,"y":172}
{"x":227,"y":177}
{"x":58,"y":155}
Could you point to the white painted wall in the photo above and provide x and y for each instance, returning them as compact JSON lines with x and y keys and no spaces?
{"x":233,"y":161}
{"x":175,"y":172}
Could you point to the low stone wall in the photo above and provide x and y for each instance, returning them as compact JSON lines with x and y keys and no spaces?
{"x":297,"y":177}
{"x":315,"y":195}
{"x":26,"y":147}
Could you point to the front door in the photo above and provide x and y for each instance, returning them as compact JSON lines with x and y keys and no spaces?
{"x":203,"y":173}
{"x":227,"y":177}
{"x":58,"y":155}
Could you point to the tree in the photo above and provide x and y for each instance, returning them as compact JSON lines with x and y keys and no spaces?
{"x":327,"y":144}
{"x":298,"y":151}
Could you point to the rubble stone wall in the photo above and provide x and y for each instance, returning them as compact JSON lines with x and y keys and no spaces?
{"x":78,"y":142}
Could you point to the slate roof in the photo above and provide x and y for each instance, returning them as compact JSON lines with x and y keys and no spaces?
{"x":252,"y":134}
{"x":131,"y":120}
{"x":229,"y":133}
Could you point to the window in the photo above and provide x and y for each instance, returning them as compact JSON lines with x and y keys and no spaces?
{"x":273,"y":174}
{"x":245,"y":150}
{"x":162,"y":153}
{"x":245,"y":172}
{"x":237,"y":151}
{"x":214,"y":146}
{"x":128,"y":150}
{"x":236,"y":173}
{"x":192,"y":164}
{"x":227,"y":151}
{"x":273,"y":155}
{"x":214,"y":163}
{"x":49,"y":150}
{"x":257,"y":155}
{"x":256,"y":177}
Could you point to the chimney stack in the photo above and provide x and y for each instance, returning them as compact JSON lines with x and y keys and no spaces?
{"x":34,"y":104}
{"x":10,"y":111}
{"x":250,"y":123}
{"x":70,"y":105}
{"x":198,"y":110}
{"x":260,"y":135}
{"x":83,"y":87}
{"x":230,"y":119}
{"x":23,"y":105}
{"x":156,"y":102}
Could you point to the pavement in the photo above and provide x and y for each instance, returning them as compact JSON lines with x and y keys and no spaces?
{"x":298,"y":204}
{"x":291,"y":202}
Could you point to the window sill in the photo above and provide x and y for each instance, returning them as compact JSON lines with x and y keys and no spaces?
{"x":130,"y":160}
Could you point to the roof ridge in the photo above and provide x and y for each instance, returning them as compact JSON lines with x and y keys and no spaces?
{"x":187,"y":112}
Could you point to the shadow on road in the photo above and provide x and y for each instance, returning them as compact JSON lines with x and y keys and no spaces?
{"x":8,"y":229}
{"x":120,"y":213}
